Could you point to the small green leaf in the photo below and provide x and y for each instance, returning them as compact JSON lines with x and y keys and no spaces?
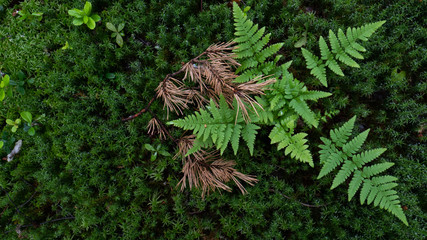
{"x":164,"y":153}
{"x":111,"y":27}
{"x":78,"y":21}
{"x":91,"y":24}
{"x":10,"y":122}
{"x":14,"y":128}
{"x":31,"y":131}
{"x":85,"y":19}
{"x":76,"y":13}
{"x":27,"y":116}
{"x":96,"y":17}
{"x":121,"y":26}
{"x":6,"y":80}
{"x":149,"y":147}
{"x":2,"y":94}
{"x":1,"y":144}
{"x":110,"y":75}
{"x":246,"y":9}
{"x":18,"y":121}
{"x":87,"y":8}
{"x":119,"y":40}
{"x":301,"y":42}
{"x":154,"y":156}
{"x":114,"y":34}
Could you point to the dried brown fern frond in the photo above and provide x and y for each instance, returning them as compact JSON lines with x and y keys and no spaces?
{"x":196,"y":97}
{"x":154,"y":128}
{"x":206,"y":170}
{"x":175,"y":97}
{"x":222,"y":51}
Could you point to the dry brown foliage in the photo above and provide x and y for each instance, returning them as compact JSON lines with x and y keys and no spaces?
{"x":154,"y":129}
{"x":206,"y":170}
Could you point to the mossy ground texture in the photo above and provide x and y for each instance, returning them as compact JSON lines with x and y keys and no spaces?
{"x":85,"y":174}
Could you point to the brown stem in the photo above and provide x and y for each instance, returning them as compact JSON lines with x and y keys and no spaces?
{"x":140,"y":112}
{"x":304,"y":204}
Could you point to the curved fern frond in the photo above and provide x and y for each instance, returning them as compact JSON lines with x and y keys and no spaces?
{"x":375,"y":189}
{"x":251,"y":48}
{"x":219,"y":127}
{"x":344,"y":48}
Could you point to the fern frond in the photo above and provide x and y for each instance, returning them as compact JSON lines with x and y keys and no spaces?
{"x":375,"y":189}
{"x":294,"y":144}
{"x":344,"y":47}
{"x":218,"y":126}
{"x":315,"y":64}
{"x":251,"y":48}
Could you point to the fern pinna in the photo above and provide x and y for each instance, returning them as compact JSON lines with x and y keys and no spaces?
{"x":344,"y":47}
{"x":340,"y":151}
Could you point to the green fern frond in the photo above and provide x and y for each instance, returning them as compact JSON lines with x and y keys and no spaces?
{"x":344,"y":47}
{"x":295,"y":145}
{"x":251,"y":48}
{"x":375,"y":189}
{"x":218,"y":126}
{"x":315,"y":64}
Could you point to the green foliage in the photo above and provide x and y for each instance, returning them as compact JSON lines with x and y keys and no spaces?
{"x":4,"y":89}
{"x":84,"y":16}
{"x":341,"y":152}
{"x":219,"y":126}
{"x":344,"y":47}
{"x":30,"y":16}
{"x":251,"y":50}
{"x":156,"y":151}
{"x":116,"y":32}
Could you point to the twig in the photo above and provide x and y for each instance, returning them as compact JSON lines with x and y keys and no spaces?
{"x":304,"y":204}
{"x":17,"y":209}
{"x":140,"y":112}
{"x":19,"y":227}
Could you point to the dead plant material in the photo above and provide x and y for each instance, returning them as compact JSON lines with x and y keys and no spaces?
{"x":154,"y":128}
{"x":207,"y":171}
{"x":175,"y":97}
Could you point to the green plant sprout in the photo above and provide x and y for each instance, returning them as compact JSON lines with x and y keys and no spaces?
{"x":116,"y":32}
{"x":84,"y":16}
{"x":156,"y":151}
{"x":30,"y":16}
{"x":4,"y":87}
{"x":14,"y":124}
{"x":66,"y":46}
{"x":28,"y":125}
